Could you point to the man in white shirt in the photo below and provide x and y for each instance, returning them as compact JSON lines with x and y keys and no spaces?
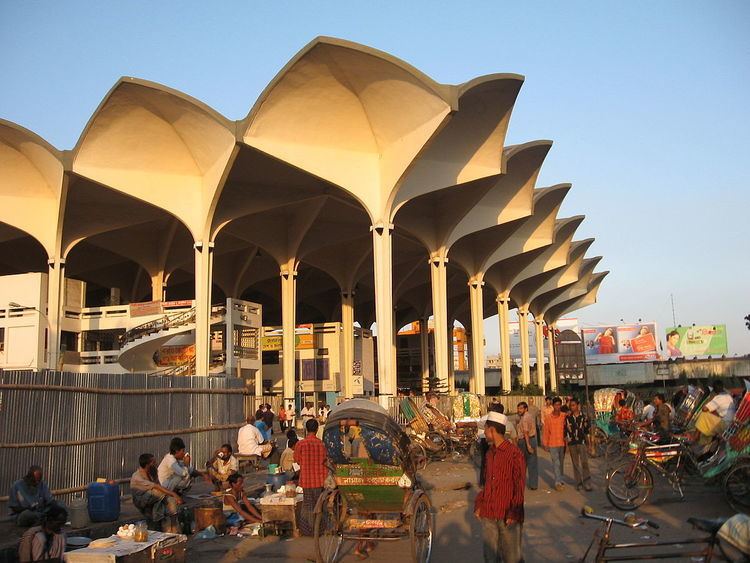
{"x":250,"y":440}
{"x":722,"y":405}
{"x":290,"y":415}
{"x":174,"y":470}
{"x":307,"y":413}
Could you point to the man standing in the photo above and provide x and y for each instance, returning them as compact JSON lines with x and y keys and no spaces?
{"x":546,"y":409}
{"x":577,"y":429}
{"x":527,"y":444}
{"x":661,"y":423}
{"x":554,"y":440}
{"x":291,"y":415}
{"x":499,"y":505}
{"x":307,"y":413}
{"x":310,"y":455}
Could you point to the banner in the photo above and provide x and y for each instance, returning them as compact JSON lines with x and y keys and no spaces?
{"x":273,"y":342}
{"x":145,"y":309}
{"x":609,"y":344}
{"x":168,"y":356}
{"x":704,"y":340}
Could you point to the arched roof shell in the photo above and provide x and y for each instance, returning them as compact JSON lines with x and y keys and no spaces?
{"x":31,"y":170}
{"x":158,"y":145}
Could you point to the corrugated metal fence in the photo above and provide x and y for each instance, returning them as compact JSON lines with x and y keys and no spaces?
{"x":82,"y":426}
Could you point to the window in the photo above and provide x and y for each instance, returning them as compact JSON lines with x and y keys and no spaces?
{"x":322,"y":351}
{"x":2,"y":340}
{"x":271,"y":357}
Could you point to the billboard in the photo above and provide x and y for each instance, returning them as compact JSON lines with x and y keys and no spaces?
{"x":705,"y":340}
{"x":608,"y":344}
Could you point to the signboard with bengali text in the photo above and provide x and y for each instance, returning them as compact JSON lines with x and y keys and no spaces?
{"x":690,"y":341}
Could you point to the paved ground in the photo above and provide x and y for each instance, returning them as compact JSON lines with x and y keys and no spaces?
{"x":553,"y":530}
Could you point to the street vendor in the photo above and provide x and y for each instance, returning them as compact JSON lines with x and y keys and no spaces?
{"x":174,"y":471}
{"x":157,"y":503}
{"x":29,"y":497}
{"x":221,"y":466}
{"x":236,"y":507}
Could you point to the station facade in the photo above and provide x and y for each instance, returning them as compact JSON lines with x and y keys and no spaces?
{"x":356,"y":191}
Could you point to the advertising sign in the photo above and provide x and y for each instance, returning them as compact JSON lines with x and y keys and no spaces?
{"x":608,"y":344}
{"x":303,"y":339}
{"x":168,"y":356}
{"x":145,"y":309}
{"x":705,"y":340}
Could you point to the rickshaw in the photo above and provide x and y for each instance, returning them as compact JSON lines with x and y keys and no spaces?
{"x":604,"y":430}
{"x":631,"y":484}
{"x":426,"y":443}
{"x":373,"y":498}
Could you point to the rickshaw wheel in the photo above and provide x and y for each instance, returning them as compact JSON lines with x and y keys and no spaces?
{"x":328,"y":528}
{"x":628,"y":487}
{"x":440,"y":443}
{"x":597,"y":442}
{"x":420,"y":531}
{"x":418,"y":455}
{"x":737,"y":486}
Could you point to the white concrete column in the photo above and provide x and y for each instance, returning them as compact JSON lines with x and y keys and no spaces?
{"x":204,"y":252}
{"x":477,"y":334}
{"x":347,"y":351}
{"x":288,"y":325}
{"x":539,"y":333}
{"x":470,"y":362}
{"x":523,"y":332}
{"x":424,"y":352}
{"x":443,"y":336}
{"x":55,"y":289}
{"x":502,"y":314}
{"x":451,"y":360}
{"x":157,"y":286}
{"x":552,"y":359}
{"x":382,"y":261}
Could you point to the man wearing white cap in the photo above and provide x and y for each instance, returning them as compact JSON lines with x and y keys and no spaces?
{"x":499,"y":505}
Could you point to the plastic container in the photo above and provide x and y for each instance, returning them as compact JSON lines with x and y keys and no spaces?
{"x":79,"y":513}
{"x":104,"y":502}
{"x":273,"y":468}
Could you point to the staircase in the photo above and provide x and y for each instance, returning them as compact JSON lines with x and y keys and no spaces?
{"x":139,"y":344}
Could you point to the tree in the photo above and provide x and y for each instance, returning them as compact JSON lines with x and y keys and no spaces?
{"x":747,"y":322}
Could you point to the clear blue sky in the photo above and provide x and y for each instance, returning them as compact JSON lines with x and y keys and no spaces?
{"x":647,"y":103}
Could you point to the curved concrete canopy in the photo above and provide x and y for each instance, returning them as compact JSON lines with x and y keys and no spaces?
{"x":556,"y":312}
{"x":524,"y":292}
{"x":160,"y":146}
{"x":31,"y":180}
{"x":578,"y":287}
{"x":440,"y":218}
{"x":351,"y":115}
{"x":478,"y":251}
{"x":503,"y":275}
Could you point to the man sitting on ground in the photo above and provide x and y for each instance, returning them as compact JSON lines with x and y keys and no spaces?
{"x":29,"y":497}
{"x":47,"y":541}
{"x":157,"y":503}
{"x":250,"y":440}
{"x":236,"y":507}
{"x":221,"y":466}
{"x":174,"y":470}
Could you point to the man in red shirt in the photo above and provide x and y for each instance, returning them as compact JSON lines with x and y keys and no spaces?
{"x":499,"y":505}
{"x":310,"y":455}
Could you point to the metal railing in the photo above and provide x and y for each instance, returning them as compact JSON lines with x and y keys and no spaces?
{"x":157,"y":325}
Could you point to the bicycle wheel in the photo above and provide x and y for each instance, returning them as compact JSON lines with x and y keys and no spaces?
{"x":628,"y":487}
{"x":418,"y":455}
{"x":597,"y":442}
{"x":614,"y":450}
{"x":737,"y":487}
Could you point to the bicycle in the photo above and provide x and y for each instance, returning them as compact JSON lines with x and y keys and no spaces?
{"x":681,"y":548}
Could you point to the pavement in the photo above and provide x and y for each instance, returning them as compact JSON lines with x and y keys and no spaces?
{"x":553,"y":530}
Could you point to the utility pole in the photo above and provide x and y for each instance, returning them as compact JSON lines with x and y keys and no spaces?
{"x":674,"y":320}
